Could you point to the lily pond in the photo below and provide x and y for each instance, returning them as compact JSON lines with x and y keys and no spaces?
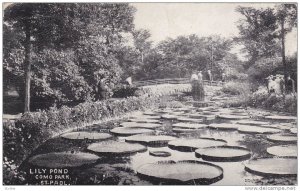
{"x":196,"y":144}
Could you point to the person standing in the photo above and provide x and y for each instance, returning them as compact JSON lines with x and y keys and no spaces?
{"x":129,"y":81}
{"x":223,"y":77}
{"x":201,"y":87}
{"x":200,"y":76}
{"x":290,"y":85}
{"x":209,"y":76}
{"x":195,"y":86}
{"x":278,"y":85}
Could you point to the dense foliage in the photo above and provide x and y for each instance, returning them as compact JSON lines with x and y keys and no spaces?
{"x":73,"y":48}
{"x":262,"y":35}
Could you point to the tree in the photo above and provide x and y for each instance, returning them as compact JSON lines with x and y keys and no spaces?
{"x":63,"y":33}
{"x":142,"y":42}
{"x":257,"y":33}
{"x":263,"y":31}
{"x":187,"y":54}
{"x":287,"y":19}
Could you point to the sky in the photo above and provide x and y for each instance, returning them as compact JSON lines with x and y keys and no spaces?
{"x":165,"y":20}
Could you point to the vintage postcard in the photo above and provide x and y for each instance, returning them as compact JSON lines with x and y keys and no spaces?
{"x":146,"y":94}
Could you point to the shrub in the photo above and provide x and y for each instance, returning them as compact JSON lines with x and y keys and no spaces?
{"x":171,"y":104}
{"x":291,"y":103}
{"x":11,"y":174}
{"x":124,"y":91}
{"x":259,"y":96}
{"x":236,"y":88}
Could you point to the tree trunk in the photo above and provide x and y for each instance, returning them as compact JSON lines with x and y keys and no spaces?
{"x":27,"y":63}
{"x":283,"y":51}
{"x":142,"y":56}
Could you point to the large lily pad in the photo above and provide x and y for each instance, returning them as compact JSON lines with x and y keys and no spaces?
{"x":63,"y":160}
{"x":126,"y":131}
{"x":233,"y":117}
{"x":256,"y":129}
{"x":274,"y":167}
{"x":160,"y":153}
{"x":141,"y":125}
{"x":283,"y":138}
{"x":144,"y":120}
{"x":170,"y":117}
{"x":151,"y":113}
{"x":223,"y":153}
{"x":195,"y":115}
{"x":252,"y":122}
{"x":278,"y":126}
{"x":82,"y":135}
{"x":294,"y":130}
{"x":283,"y":150}
{"x":190,"y":145}
{"x":224,"y":126}
{"x":116,"y":148}
{"x":189,"y":125}
{"x":183,"y":130}
{"x":213,"y":109}
{"x":190,"y":120}
{"x":150,"y":139}
{"x":181,"y":172}
{"x":281,"y":118}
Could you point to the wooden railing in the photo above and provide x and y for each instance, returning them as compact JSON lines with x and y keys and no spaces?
{"x":173,"y":81}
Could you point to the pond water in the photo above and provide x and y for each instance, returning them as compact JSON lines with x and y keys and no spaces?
{"x":121,"y":169}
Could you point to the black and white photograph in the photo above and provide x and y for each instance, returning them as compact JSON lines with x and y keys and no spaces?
{"x":156,"y":93}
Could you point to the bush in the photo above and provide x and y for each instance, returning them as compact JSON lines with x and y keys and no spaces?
{"x":291,"y":103}
{"x":236,"y":88}
{"x":259,"y":96}
{"x":124,"y":91}
{"x":171,"y":104}
{"x":11,"y":174}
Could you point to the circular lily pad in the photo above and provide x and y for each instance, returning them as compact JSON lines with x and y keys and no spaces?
{"x":126,"y":131}
{"x":190,"y":145}
{"x":151,"y":113}
{"x":213,"y":109}
{"x":233,"y":117}
{"x":181,"y":172}
{"x":170,"y":117}
{"x":63,"y":160}
{"x":189,"y":125}
{"x":195,"y":115}
{"x":255,"y":129}
{"x":150,"y":139}
{"x":141,"y":125}
{"x":116,"y":148}
{"x":160,"y":153}
{"x":283,"y":138}
{"x":224,"y":126}
{"x":283,"y":150}
{"x":274,"y":167}
{"x":281,"y":118}
{"x":237,"y":111}
{"x":191,"y":120}
{"x":81,"y":135}
{"x":290,"y":125}
{"x":183,"y":130}
{"x":252,"y":122}
{"x":144,"y":120}
{"x":223,"y":154}
{"x":294,"y":130}
{"x":278,"y":126}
